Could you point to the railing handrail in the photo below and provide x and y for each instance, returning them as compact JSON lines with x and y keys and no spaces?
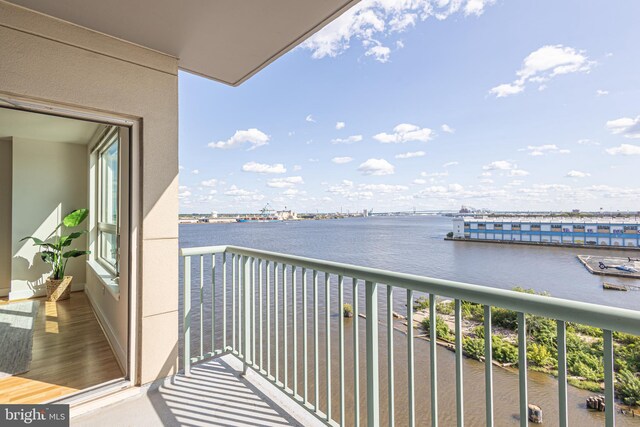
{"x":605,"y":317}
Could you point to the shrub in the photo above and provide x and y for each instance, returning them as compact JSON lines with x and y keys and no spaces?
{"x":347,"y":310}
{"x":445,"y":307}
{"x":421,"y":304}
{"x":504,"y":318}
{"x":503,"y":351}
{"x":586,"y":365}
{"x":442,"y":329}
{"x":450,"y":234}
{"x":473,"y":311}
{"x":628,"y":387}
{"x":539,"y":355}
{"x":473,"y":347}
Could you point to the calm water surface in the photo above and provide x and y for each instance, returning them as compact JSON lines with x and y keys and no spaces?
{"x":415,"y":245}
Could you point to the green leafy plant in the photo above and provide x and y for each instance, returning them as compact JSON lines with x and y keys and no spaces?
{"x":53,"y":249}
{"x":347,"y":310}
{"x":442,"y":329}
{"x":628,"y":387}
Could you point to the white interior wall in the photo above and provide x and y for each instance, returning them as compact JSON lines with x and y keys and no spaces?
{"x":49,"y":181}
{"x":5,"y":215}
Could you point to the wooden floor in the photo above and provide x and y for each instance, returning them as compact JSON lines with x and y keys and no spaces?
{"x":70,"y":353}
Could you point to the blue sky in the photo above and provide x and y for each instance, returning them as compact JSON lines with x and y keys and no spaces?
{"x":432,"y":104}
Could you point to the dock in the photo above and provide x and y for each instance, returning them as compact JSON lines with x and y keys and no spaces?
{"x":606,"y":266}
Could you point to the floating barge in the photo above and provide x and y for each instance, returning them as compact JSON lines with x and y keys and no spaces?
{"x":595,"y":264}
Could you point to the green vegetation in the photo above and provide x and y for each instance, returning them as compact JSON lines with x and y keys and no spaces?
{"x":421,"y":304}
{"x":442,"y":329}
{"x":628,"y":387}
{"x":347,"y":310}
{"x":450,"y":234}
{"x":584,"y":346}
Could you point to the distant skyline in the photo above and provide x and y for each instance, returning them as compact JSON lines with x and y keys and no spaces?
{"x":519,"y":105}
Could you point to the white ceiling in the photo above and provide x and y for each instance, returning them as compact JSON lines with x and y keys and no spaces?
{"x":226,"y":40}
{"x":42,"y":127}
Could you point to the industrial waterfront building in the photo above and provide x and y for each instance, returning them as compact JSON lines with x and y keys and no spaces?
{"x":623,"y":232}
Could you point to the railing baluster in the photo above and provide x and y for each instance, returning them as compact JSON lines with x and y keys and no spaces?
{"x":213,"y":303}
{"x":252,"y":291}
{"x":390,"y":376}
{"x":459,"y":370}
{"x":186,"y":322}
{"x":356,"y":356}
{"x":563,"y":419}
{"x":410,"y":376}
{"x":522,"y":369}
{"x":327,"y":302}
{"x":433,"y":348}
{"x":609,"y":402}
{"x":488,"y":366}
{"x":316,"y":367}
{"x":341,"y":346}
{"x":201,"y":306}
{"x":276,"y":311}
{"x":305,"y":376}
{"x":240,"y":283}
{"x":294,"y":310}
{"x":224,"y":301}
{"x":268,"y":277}
{"x":260,"y":349}
{"x":246,"y":320}
{"x":373,"y":381}
{"x":285,"y":332}
{"x":233,"y":303}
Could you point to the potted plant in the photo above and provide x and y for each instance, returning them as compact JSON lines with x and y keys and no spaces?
{"x":53,"y":251}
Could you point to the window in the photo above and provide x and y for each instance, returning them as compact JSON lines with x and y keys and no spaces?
{"x":108,"y":203}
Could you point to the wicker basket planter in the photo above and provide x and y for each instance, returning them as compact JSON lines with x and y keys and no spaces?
{"x":58,"y":290}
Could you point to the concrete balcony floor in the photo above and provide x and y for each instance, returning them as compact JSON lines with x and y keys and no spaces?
{"x":215,"y":395}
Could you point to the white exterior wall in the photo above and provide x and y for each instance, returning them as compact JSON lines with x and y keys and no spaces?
{"x":46,"y":60}
{"x":458,"y":227}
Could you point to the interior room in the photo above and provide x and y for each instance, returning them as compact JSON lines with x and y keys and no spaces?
{"x":61,"y":186}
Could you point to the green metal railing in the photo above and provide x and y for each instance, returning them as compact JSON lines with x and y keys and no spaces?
{"x":250,"y":284}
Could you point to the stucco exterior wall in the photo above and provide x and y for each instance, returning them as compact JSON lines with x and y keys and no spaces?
{"x":51,"y":61}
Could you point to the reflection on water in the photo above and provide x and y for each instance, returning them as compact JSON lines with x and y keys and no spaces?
{"x":415,"y":245}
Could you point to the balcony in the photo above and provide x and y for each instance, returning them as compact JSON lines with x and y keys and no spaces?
{"x":278,"y":320}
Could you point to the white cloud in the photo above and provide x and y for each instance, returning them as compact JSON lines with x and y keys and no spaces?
{"x":376,"y":167}
{"x":448,"y":164}
{"x":371,"y":20}
{"x":625,"y":150}
{"x":383,"y":188}
{"x":434,"y":174}
{"x":297,"y":168}
{"x":405,"y":132}
{"x":209,"y":183}
{"x":626,"y":126}
{"x":348,"y":140}
{"x":195,"y":172}
{"x":340,"y":125}
{"x":240,"y":194}
{"x":542,"y":65}
{"x":256,"y":138}
{"x":587,"y":142}
{"x":287,"y":182}
{"x":180,"y":167}
{"x":419,"y":181}
{"x":601,"y":92}
{"x":410,"y":154}
{"x":310,"y":119}
{"x":577,"y":174}
{"x":379,"y":52}
{"x":342,"y":160}
{"x":184,"y":194}
{"x":518,"y":172}
{"x":264,"y":168}
{"x":541,"y":150}
{"x":499,"y":165}
{"x":446,"y":128}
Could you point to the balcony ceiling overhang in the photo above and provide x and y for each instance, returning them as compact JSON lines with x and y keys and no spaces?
{"x":224,"y":40}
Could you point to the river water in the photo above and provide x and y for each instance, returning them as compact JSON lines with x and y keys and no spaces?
{"x":415,"y":245}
